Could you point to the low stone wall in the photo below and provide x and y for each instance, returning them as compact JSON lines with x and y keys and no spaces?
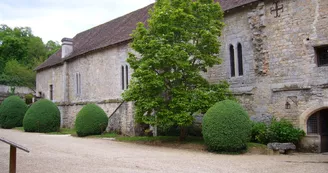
{"x":122,"y":121}
{"x":20,"y":91}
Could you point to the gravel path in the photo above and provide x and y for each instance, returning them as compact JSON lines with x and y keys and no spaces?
{"x":66,"y":154}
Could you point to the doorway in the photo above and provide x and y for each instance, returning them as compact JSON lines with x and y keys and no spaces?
{"x":318,"y":124}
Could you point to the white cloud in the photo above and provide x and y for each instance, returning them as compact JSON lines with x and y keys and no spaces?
{"x":55,"y":19}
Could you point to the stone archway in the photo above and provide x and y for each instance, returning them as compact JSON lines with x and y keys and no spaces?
{"x":314,"y":121}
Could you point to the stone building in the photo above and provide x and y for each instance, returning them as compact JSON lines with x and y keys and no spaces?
{"x":274,"y":52}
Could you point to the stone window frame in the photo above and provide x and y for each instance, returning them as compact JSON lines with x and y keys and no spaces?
{"x":127,"y":76}
{"x":78,"y":86}
{"x":240,"y":59}
{"x":236,"y":59}
{"x":122,"y":78}
{"x":51,"y":92}
{"x":232,"y":60}
{"x":319,"y":51}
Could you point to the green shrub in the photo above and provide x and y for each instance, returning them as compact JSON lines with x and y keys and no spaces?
{"x":12,"y":111}
{"x":43,"y":116}
{"x":259,"y":133}
{"x":29,"y":99}
{"x":91,"y":120}
{"x":278,"y":131}
{"x":283,"y":131}
{"x":226,"y":127}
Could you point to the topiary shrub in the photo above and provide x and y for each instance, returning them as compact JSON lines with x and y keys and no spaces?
{"x":226,"y":127}
{"x":284,"y":131}
{"x":43,"y":116}
{"x":91,"y":120}
{"x":12,"y":111}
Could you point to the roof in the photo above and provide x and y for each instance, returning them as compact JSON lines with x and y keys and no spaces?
{"x":114,"y":32}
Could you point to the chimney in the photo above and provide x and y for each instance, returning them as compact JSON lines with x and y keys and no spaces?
{"x":67,"y":47}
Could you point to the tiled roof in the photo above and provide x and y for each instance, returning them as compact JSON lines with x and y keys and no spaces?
{"x":114,"y":32}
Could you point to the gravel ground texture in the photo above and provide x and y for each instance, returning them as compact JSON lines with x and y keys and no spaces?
{"x":66,"y":154}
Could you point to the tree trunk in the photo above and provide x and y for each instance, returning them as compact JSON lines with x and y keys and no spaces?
{"x":183,"y":133}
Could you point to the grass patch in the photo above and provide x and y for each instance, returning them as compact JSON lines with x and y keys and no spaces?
{"x":105,"y":135}
{"x":162,"y":139}
{"x":19,"y":128}
{"x":256,"y":145}
{"x":64,"y":131}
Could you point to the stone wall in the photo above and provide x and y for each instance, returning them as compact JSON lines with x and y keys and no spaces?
{"x":52,"y":76}
{"x":279,"y":59}
{"x":120,"y":116}
{"x":20,"y":91}
{"x":101,"y":83}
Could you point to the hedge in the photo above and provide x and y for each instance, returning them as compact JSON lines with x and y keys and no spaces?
{"x":91,"y":120}
{"x":43,"y":116}
{"x":226,"y":127}
{"x":12,"y":111}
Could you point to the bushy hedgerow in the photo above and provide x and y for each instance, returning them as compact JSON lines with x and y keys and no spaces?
{"x":226,"y":127}
{"x":277,"y":131}
{"x":12,"y":111}
{"x":43,"y":116}
{"x":91,"y":120}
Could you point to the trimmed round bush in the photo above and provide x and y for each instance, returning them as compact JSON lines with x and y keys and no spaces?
{"x":43,"y":116}
{"x":12,"y":111}
{"x":226,"y":127}
{"x":91,"y":120}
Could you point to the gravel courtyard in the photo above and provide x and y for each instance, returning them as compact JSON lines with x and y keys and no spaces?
{"x":66,"y":154}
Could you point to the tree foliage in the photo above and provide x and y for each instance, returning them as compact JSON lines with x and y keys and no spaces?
{"x":21,"y":51}
{"x":178,"y":44}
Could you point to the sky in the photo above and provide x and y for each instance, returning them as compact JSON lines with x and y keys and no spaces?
{"x":56,"y":19}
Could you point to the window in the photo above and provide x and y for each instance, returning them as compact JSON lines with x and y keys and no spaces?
{"x":78,"y":89}
{"x":322,"y":55}
{"x":51,"y":92}
{"x":123,"y":78}
{"x":312,"y":124}
{"x":240,"y":60}
{"x":232,"y":61}
{"x":127,"y":76}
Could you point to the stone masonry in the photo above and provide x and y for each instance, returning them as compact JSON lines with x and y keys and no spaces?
{"x":279,"y":59}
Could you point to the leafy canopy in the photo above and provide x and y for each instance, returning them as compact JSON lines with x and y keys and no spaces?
{"x":179,"y":42}
{"x":21,"y":51}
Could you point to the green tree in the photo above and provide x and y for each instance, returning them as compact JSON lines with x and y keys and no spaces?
{"x":16,"y":74}
{"x":178,"y":44}
{"x":52,"y":47}
{"x":20,"y":48}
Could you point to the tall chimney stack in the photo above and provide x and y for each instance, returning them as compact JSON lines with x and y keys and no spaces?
{"x":67,"y":47}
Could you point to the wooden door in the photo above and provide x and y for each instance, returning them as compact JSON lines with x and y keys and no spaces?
{"x":324,"y":130}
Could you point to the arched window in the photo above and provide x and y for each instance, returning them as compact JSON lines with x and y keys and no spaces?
{"x":127,"y":76}
{"x":240,"y":60}
{"x":232,"y":61}
{"x":123,"y":78}
{"x":312,"y":124}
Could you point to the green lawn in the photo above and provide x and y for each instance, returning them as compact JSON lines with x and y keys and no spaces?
{"x":63,"y":131}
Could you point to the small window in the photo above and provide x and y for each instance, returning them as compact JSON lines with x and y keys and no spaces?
{"x":127,"y":76}
{"x":122,"y":78}
{"x":322,"y":55}
{"x":51,"y":92}
{"x":312,"y":124}
{"x":240,"y":60}
{"x":78,"y":89}
{"x":232,"y":61}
